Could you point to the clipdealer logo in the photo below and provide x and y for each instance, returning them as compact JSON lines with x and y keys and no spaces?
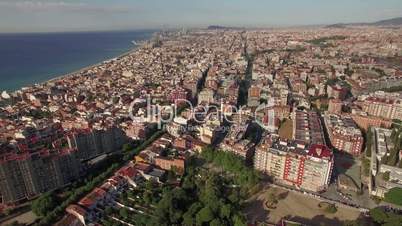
{"x":144,"y":111}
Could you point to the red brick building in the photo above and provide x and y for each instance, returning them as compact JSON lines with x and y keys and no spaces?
{"x":179,"y":95}
{"x":365,"y":122}
{"x":344,"y":134}
{"x":295,"y":164}
{"x":169,"y":163}
{"x":337,"y":92}
{"x":335,"y":106}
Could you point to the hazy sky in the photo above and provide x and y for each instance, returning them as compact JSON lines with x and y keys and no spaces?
{"x":69,"y":15}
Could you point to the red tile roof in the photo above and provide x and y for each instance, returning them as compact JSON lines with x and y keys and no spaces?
{"x":75,"y":209}
{"x":127,"y":171}
{"x":143,"y":167}
{"x":320,"y":151}
{"x":92,"y":198}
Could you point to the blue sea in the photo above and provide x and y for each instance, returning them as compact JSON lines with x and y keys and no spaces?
{"x":26,"y":59}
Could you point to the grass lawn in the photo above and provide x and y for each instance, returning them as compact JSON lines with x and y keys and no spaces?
{"x":394,"y":196}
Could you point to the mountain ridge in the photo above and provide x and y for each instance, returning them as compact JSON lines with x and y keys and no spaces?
{"x":397,"y":21}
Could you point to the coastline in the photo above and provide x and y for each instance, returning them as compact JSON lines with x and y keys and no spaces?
{"x":51,"y":77}
{"x":87,"y":67}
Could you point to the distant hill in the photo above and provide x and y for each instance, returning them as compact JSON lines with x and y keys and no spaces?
{"x":336,"y":26}
{"x":389,"y":22}
{"x":218,"y":27}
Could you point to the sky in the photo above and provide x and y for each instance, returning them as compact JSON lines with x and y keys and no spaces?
{"x":88,"y":15}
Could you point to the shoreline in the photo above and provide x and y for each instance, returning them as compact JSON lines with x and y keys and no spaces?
{"x":80,"y":70}
{"x":126,"y":53}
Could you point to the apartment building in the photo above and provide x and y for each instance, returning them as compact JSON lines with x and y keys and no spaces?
{"x":387,"y":108}
{"x":365,"y":122}
{"x":254,"y":95}
{"x":206,"y":96}
{"x":305,"y":167}
{"x":307,"y":127}
{"x":242,"y":148}
{"x":381,"y":104}
{"x":344,"y":134}
{"x":168,"y":163}
{"x":37,"y":162}
{"x":335,"y":106}
{"x":26,"y":175}
{"x":337,"y":92}
{"x":94,"y":142}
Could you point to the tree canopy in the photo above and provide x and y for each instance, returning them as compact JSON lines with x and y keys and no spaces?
{"x":203,"y":199}
{"x":381,"y":217}
{"x":44,"y":204}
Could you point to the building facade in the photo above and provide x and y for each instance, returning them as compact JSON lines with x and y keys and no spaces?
{"x":95,"y":142}
{"x":307,"y":127}
{"x":24,"y":176}
{"x":344,"y":134}
{"x":383,"y":106}
{"x":292,"y":164}
{"x":335,"y":106}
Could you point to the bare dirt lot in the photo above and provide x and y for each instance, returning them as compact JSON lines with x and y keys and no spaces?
{"x":286,"y":129}
{"x":295,"y":206}
{"x":25,"y":218}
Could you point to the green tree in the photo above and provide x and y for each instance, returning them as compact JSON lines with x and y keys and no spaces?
{"x":216,"y":222}
{"x":108,"y":210}
{"x":369,"y":141}
{"x":386,"y":176}
{"x":331,"y":208}
{"x":123,"y":212}
{"x":171,"y":175}
{"x":188,"y":219}
{"x":239,"y":220}
{"x":189,"y":216}
{"x":234,"y":198}
{"x":205,"y":197}
{"x":244,"y":176}
{"x":378,"y":215}
{"x":127,"y":147}
{"x":393,"y":220}
{"x":205,"y":215}
{"x":44,"y":204}
{"x":188,"y":183}
{"x":393,"y":157}
{"x":7,"y":211}
{"x":381,"y":217}
{"x":225,"y":211}
{"x":107,"y":222}
{"x":147,"y":198}
{"x":149,"y":185}
{"x":351,"y":223}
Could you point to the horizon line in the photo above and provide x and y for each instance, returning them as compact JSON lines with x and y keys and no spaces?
{"x":177,"y":27}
